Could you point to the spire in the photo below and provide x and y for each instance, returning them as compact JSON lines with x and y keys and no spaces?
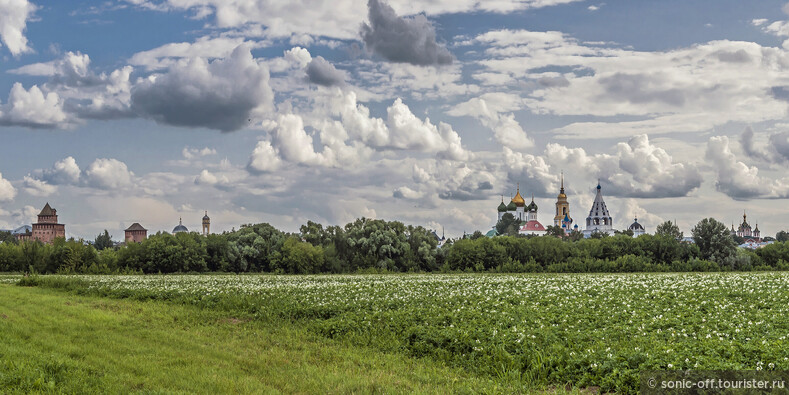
{"x":180,"y":222}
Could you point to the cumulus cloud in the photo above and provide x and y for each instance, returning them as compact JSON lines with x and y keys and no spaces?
{"x":192,"y":153}
{"x":7,"y":191}
{"x":82,"y":91}
{"x":108,"y":174}
{"x":32,"y":108}
{"x":402,"y":129}
{"x":63,"y":172}
{"x":637,"y":169}
{"x":689,"y":89}
{"x":737,"y":179}
{"x":321,"y":72}
{"x":168,"y":55}
{"x":337,"y":19}
{"x":402,"y":39}
{"x":264,"y":158}
{"x":13,"y":21}
{"x":223,"y":94}
{"x":38,"y":187}
{"x":506,"y":129}
{"x":207,"y":178}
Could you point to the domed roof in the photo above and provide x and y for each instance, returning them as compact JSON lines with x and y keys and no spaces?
{"x":205,"y":217}
{"x":518,"y":199}
{"x":502,"y":207}
{"x":180,"y":228}
{"x":511,"y":206}
{"x":635,"y":225}
{"x":532,"y":206}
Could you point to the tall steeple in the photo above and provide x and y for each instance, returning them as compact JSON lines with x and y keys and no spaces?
{"x":562,"y":216}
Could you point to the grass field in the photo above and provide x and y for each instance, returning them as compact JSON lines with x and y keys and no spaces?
{"x":51,"y":342}
{"x":522,"y":332}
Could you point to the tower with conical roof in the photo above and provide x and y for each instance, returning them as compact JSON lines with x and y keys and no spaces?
{"x":599,"y":219}
{"x":562,"y":216}
{"x":206,"y":224}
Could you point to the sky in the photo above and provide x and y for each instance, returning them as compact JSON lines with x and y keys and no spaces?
{"x":428,"y":113}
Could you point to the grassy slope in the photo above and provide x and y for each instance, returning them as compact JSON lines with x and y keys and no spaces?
{"x":51,"y":341}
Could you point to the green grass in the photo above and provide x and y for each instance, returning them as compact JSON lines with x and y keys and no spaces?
{"x":55,"y":342}
{"x":526,"y":332}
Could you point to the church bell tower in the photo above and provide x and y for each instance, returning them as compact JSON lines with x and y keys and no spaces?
{"x":206,"y":224}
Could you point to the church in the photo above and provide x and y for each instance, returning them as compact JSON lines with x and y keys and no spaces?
{"x":746,"y":232}
{"x":598,"y":221}
{"x":526,"y":215}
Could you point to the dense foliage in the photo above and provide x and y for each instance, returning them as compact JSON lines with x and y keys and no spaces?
{"x":536,"y":330}
{"x":378,"y":245}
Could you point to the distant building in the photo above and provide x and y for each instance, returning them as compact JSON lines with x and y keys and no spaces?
{"x":636,"y":228}
{"x":532,"y":225}
{"x":23,"y":233}
{"x":746,"y":232}
{"x":136,"y":233}
{"x":47,"y":229}
{"x":206,"y":224}
{"x":180,"y":228}
{"x":562,"y":217}
{"x":599,"y":219}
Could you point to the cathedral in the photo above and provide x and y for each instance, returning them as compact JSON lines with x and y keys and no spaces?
{"x":746,"y":232}
{"x":526,"y":215}
{"x":599,"y":219}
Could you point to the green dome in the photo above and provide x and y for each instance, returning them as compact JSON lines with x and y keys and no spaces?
{"x":502,"y":207}
{"x":532,"y":206}
{"x":512,"y":206}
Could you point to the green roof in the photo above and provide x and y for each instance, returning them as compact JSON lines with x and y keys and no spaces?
{"x":502,"y":207}
{"x":512,"y":206}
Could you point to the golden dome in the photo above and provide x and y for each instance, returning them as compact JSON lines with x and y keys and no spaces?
{"x":518,"y":199}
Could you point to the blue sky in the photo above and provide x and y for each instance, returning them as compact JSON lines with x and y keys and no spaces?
{"x":264,"y":111}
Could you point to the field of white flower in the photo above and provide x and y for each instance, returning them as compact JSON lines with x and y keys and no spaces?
{"x":586,"y":330}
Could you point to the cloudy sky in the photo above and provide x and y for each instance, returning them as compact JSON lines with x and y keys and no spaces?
{"x":425,"y":112}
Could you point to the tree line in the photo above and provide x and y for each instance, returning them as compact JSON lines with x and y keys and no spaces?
{"x":379,"y":245}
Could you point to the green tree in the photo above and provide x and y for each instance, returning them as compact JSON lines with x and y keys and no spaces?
{"x":477,"y":235}
{"x":553,"y":230}
{"x":626,"y":232}
{"x":714,"y":240}
{"x":103,"y":240}
{"x":670,"y":230}
{"x":298,"y":257}
{"x":507,"y":225}
{"x":782,"y":236}
{"x":737,"y":239}
{"x":7,"y":237}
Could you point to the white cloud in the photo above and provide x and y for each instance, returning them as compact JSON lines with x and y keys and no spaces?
{"x":223,"y":94}
{"x":168,"y":55}
{"x":108,"y":174}
{"x":37,"y":187}
{"x":14,"y":15}
{"x":638,"y":169}
{"x":192,"y":153}
{"x":688,"y":89}
{"x":7,"y":191}
{"x":737,"y":179}
{"x":337,"y":19}
{"x":264,"y":158}
{"x":32,"y":108}
{"x":63,"y":172}
{"x":506,"y":129}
